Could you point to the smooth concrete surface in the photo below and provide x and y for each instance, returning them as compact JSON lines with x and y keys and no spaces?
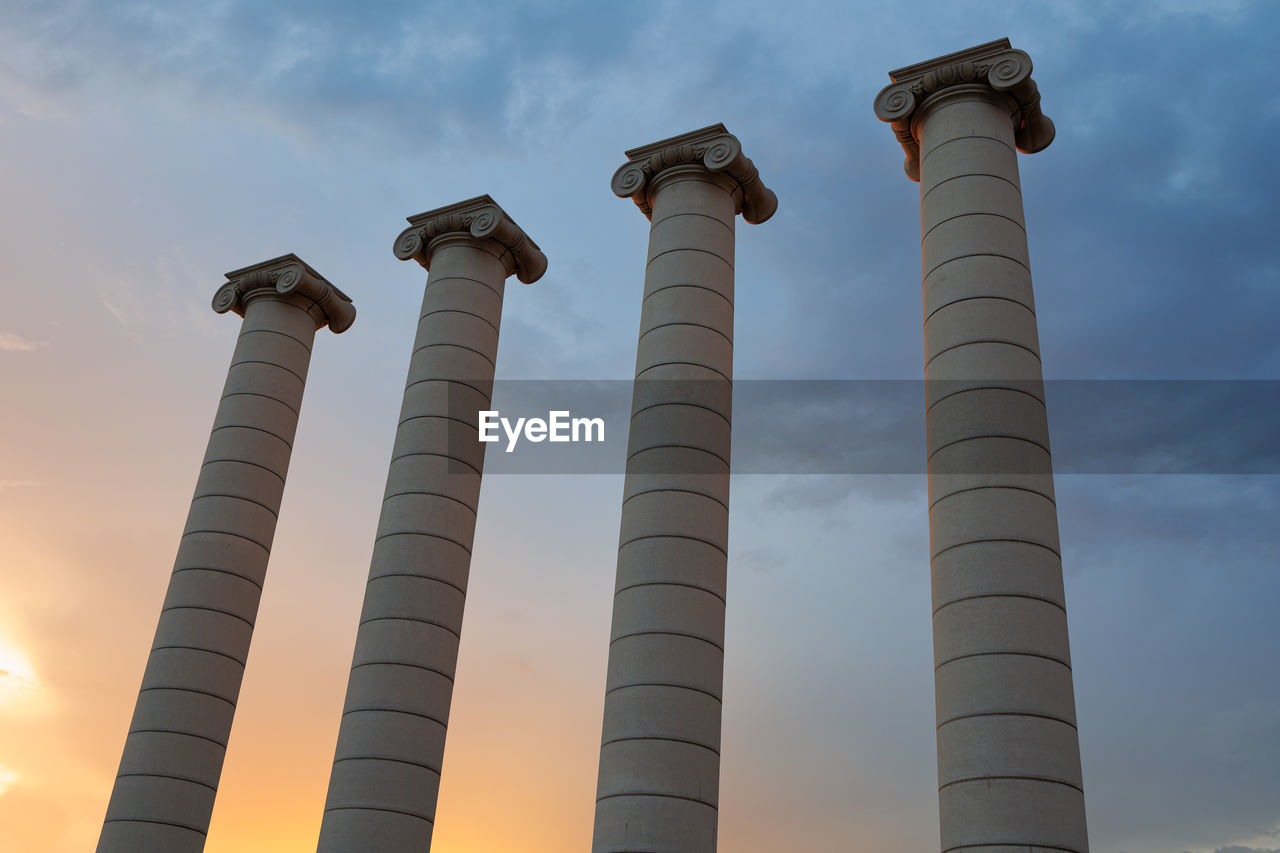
{"x":163,"y":795}
{"x":386,"y":768}
{"x":1008,"y":753}
{"x":660,"y":749}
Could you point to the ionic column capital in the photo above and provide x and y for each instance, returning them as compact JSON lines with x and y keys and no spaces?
{"x":995,"y":64}
{"x":479,"y":218}
{"x":287,"y":274}
{"x":713,"y":148}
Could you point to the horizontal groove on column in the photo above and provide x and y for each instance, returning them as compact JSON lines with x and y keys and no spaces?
{"x":656,"y":222}
{"x":980,"y":341}
{"x":969,"y":175}
{"x":199,"y":649}
{"x":1000,"y":595}
{"x":187,"y":827}
{"x":976,"y":255}
{"x":283,"y":441}
{"x":213,"y":788}
{"x":467,"y":424}
{"x":711,"y":643}
{"x":985,"y":436}
{"x":1006,"y":714}
{"x":926,"y":234}
{"x":441,"y":455}
{"x":421,"y":533}
{"x":417,"y":619}
{"x":686,"y":364}
{"x":293,"y":373}
{"x":710,"y":592}
{"x":951,"y":394}
{"x":485,"y":395}
{"x":433,"y":282}
{"x":207,"y":610}
{"x":438,"y":722}
{"x":485,"y":356}
{"x":1044,"y":779}
{"x":657,"y":794}
{"x":982,"y":541}
{"x":658,"y":737}
{"x":271,"y":471}
{"x":685,"y":323}
{"x":263,"y":396}
{"x":1024,"y":845}
{"x":420,"y":666}
{"x":1018,"y":654}
{"x":947,"y":142}
{"x":187,"y":690}
{"x":266,"y":548}
{"x":214,"y":741}
{"x":479,"y":317}
{"x":219,"y":571}
{"x":689,"y":403}
{"x":386,"y":758}
{"x":988,"y":487}
{"x":929,"y":316}
{"x":432,"y":578}
{"x":258,"y":329}
{"x":445,"y":380}
{"x":426,"y":494}
{"x":663,"y":684}
{"x":678,"y":491}
{"x":727,"y":262}
{"x":678,"y":447}
{"x":672,"y":536}
{"x":274,"y":513}
{"x":686,"y":284}
{"x":377,"y":809}
{"x":694,"y":178}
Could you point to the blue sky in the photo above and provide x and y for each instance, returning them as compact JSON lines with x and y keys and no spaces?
{"x":148,"y":147}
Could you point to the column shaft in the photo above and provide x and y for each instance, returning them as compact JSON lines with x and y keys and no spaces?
{"x":387,"y":764}
{"x":1008,"y":754}
{"x":659,"y":779}
{"x":660,"y":751}
{"x":163,"y":796}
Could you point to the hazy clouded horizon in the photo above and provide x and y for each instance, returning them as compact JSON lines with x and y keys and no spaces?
{"x":149,"y":146}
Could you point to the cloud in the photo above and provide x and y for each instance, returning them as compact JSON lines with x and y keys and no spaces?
{"x":11,"y":342}
{"x":443,"y":76}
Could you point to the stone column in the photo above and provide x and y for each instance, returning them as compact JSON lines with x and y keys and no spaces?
{"x":163,"y":795}
{"x":660,"y":750}
{"x":1008,"y":753}
{"x":386,"y":768}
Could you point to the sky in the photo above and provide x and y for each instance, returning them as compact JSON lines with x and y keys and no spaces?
{"x":146,"y":147}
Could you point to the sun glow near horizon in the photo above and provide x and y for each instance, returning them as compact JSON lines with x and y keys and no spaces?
{"x":18,"y":680}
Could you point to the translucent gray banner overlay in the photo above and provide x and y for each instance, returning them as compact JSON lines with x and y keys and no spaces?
{"x":866,"y":426}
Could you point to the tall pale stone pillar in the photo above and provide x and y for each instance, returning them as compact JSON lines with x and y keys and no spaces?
{"x":1008,"y":753}
{"x":660,"y":751}
{"x":386,"y":768}
{"x":163,"y":795}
